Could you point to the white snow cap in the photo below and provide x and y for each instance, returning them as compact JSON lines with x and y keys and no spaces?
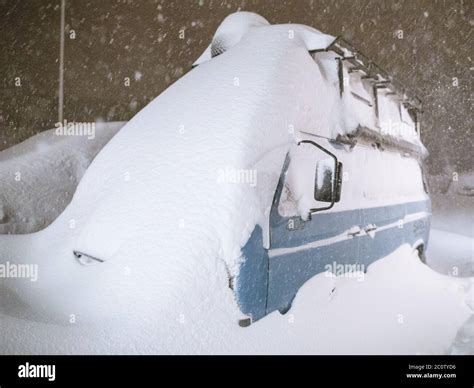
{"x":236,"y":25}
{"x":232,"y":29}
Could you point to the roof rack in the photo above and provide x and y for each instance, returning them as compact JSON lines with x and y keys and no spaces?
{"x":382,"y":80}
{"x":367,"y":135}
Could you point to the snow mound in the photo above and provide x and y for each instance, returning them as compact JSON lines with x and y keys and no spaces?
{"x":399,"y":306}
{"x":39,"y":176}
{"x":232,"y":29}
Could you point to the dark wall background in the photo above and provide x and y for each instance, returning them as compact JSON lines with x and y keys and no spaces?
{"x":115,"y":39}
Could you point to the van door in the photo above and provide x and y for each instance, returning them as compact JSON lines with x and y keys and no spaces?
{"x":304,"y":244}
{"x":383,"y":231}
{"x":388,"y":227}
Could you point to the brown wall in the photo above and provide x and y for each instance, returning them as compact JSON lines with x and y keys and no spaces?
{"x":116,"y":38}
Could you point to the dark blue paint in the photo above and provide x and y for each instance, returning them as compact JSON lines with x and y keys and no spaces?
{"x":289,"y":272}
{"x":252,"y":281}
{"x":384,"y":241}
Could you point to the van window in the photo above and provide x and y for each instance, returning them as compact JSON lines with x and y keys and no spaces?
{"x":359,"y":89}
{"x":298,"y":190}
{"x":288,"y":205}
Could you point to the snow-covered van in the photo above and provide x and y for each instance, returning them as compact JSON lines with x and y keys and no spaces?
{"x":343,"y":199}
{"x":282,"y":154}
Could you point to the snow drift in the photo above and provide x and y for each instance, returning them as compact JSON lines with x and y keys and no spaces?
{"x":39,"y":176}
{"x":401,"y":307}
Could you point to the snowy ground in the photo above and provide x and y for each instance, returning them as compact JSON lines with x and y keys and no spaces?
{"x":452,"y":253}
{"x":451,"y":249}
{"x":451,"y":246}
{"x":399,"y":307}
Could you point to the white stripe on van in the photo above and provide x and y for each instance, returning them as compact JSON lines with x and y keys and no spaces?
{"x":343,"y":236}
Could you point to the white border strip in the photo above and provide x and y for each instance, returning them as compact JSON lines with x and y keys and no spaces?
{"x":344,"y":236}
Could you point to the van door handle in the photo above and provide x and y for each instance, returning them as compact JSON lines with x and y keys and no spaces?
{"x":370,"y":228}
{"x":354,"y":231}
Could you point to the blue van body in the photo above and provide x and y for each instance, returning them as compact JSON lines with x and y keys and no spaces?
{"x":276,"y":264}
{"x":382,"y":115}
{"x":269,"y":279}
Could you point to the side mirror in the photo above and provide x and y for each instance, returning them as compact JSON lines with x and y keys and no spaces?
{"x":324,"y":180}
{"x":327,"y":179}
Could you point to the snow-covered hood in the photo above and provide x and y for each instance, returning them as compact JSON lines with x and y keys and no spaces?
{"x":175,"y":194}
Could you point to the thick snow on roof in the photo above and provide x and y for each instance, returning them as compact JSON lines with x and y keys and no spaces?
{"x":367,"y":97}
{"x":236,"y":25}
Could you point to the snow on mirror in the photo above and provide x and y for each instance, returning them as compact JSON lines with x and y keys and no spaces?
{"x":311,"y":181}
